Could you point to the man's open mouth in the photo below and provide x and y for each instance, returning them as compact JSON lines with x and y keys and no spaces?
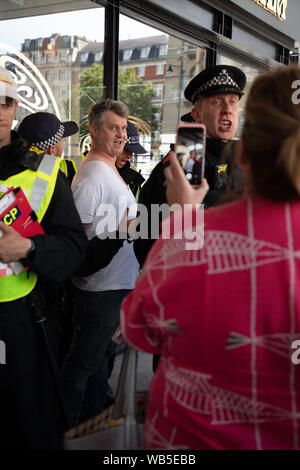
{"x":225,"y":125}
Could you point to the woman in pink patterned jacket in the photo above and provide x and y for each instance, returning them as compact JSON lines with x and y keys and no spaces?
{"x":225,"y":315}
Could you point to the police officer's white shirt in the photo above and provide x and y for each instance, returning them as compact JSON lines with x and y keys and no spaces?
{"x":101,"y":198}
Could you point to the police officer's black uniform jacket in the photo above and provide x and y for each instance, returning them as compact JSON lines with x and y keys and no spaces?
{"x":132,"y":177}
{"x":153,"y":192}
{"x":27,"y":395}
{"x":62,"y":250}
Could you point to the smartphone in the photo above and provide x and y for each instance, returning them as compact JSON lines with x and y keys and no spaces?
{"x":191,"y":142}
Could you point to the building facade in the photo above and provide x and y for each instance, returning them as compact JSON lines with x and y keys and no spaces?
{"x":187,"y":36}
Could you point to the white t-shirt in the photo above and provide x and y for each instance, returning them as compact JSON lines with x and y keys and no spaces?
{"x":189,"y":165}
{"x":101,"y":198}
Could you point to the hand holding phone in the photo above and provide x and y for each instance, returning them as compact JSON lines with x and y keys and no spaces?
{"x":179,"y":191}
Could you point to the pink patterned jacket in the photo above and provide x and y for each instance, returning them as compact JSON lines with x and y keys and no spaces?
{"x":224,"y":318}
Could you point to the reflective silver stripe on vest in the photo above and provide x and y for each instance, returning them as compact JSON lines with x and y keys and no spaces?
{"x":38,"y":191}
{"x":47,"y":165}
{"x":39,"y":187}
{"x":4,"y":188}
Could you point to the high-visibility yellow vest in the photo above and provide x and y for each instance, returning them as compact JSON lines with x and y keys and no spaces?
{"x":137,"y":196}
{"x":38,"y":187}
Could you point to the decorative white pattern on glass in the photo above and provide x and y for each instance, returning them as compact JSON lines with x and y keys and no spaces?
{"x":33,"y":91}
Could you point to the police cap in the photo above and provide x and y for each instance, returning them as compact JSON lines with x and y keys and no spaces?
{"x":222,"y":79}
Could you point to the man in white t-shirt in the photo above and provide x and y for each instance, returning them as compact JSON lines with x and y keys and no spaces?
{"x":102,"y":198}
{"x":190,"y":162}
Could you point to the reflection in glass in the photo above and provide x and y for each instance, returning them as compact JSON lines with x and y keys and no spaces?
{"x":47,"y":62}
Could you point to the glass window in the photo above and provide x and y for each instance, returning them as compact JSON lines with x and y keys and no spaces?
{"x":145,"y":52}
{"x":158,"y":92}
{"x":98,"y":56}
{"x":43,"y":52}
{"x":63,"y":74}
{"x":63,"y":57}
{"x":163,"y":50}
{"x":127,"y":54}
{"x":83,"y":57}
{"x":160,"y":69}
{"x":156,"y":100}
{"x":49,"y":75}
{"x":141,"y":71}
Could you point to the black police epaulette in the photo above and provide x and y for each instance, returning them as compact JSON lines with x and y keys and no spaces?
{"x":31,"y":160}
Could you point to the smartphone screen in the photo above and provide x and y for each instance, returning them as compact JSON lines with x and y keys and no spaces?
{"x":190,"y":149}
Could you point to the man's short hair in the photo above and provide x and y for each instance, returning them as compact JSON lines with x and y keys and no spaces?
{"x":97,"y":111}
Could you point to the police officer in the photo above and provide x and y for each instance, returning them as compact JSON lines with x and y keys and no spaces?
{"x":44,"y":132}
{"x":215,"y":93}
{"x":27,"y":393}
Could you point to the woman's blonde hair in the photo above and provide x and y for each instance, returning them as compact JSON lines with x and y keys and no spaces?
{"x":271,"y":134}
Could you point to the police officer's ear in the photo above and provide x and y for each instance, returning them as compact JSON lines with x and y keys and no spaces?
{"x":197,"y":111}
{"x":195,"y":115}
{"x":51,"y":150}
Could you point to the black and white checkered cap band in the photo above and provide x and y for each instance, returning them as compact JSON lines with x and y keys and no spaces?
{"x":221,"y":80}
{"x":45,"y":144}
{"x":133,"y":140}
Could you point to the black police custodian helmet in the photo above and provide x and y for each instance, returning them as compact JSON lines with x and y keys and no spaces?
{"x":133,"y":140}
{"x":42,"y":130}
{"x":222,"y":79}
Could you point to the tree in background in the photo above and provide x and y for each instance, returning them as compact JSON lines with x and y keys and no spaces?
{"x":135,"y":93}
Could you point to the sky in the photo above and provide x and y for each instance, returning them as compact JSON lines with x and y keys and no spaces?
{"x":88,"y":23}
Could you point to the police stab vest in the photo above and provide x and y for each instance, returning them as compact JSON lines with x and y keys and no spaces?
{"x":39,"y":187}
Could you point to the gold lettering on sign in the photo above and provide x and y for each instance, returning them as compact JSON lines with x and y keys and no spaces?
{"x":276,"y":7}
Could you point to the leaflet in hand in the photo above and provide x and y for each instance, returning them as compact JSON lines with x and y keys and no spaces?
{"x":16,"y":211}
